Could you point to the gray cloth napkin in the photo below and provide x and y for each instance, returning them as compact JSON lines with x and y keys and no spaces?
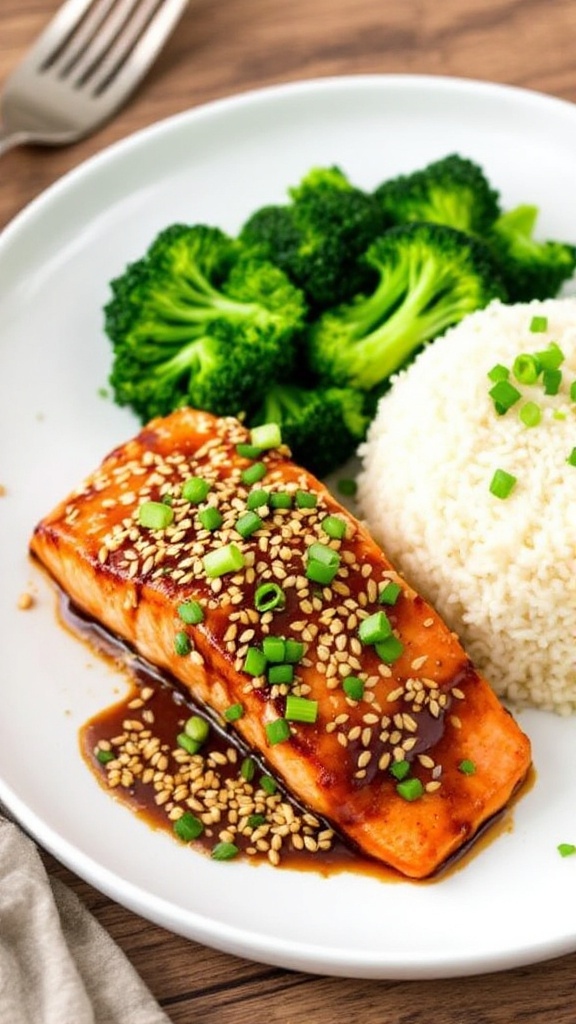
{"x":57,"y":964}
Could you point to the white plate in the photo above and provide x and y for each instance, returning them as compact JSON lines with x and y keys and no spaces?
{"x":512,"y":903}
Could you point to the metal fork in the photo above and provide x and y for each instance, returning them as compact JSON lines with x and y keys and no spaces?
{"x":82,"y":68}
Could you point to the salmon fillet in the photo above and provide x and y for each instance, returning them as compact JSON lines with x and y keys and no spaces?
{"x":407,"y":752}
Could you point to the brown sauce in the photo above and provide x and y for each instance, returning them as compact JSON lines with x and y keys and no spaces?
{"x":163,"y":713}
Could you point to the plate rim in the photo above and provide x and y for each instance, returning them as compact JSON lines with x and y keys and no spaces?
{"x":259,"y":94}
{"x":289,"y":954}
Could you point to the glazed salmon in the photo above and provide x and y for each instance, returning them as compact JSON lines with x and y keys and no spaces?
{"x":240,"y":574}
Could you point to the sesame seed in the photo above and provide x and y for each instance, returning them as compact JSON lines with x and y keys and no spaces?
{"x":419,"y":662}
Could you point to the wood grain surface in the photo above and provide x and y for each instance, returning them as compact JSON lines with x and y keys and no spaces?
{"x":227,"y":47}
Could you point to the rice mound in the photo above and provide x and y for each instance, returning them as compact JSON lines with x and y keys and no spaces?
{"x":501,"y":572}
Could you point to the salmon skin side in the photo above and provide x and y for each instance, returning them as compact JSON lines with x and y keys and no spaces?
{"x":409,"y":765}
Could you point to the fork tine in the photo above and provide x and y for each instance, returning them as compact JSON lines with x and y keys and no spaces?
{"x":128,"y":61}
{"x":58,"y":31}
{"x":68,"y":50}
{"x":97,"y":37}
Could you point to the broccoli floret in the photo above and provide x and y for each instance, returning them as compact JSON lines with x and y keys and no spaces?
{"x":531,"y":269}
{"x":429,"y":277}
{"x":318,"y":236}
{"x":200,"y":321}
{"x":452,"y":191}
{"x":322,"y":425}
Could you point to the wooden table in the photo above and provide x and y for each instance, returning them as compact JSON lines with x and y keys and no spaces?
{"x":219,"y":49}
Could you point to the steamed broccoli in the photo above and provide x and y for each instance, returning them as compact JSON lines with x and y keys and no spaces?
{"x":429,"y":277}
{"x":452,"y":191}
{"x":323,"y":426}
{"x":199,"y":321}
{"x":531,"y":269}
{"x":318,"y":236}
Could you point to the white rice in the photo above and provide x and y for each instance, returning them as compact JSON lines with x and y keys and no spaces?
{"x":501,"y":572}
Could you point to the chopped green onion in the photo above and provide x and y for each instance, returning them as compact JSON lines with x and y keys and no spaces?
{"x":248,"y":769}
{"x":254,"y":473}
{"x":196,"y":489}
{"x":347,"y":487}
{"x":274,"y":648}
{"x":167,"y":499}
{"x":375,"y":628}
{"x":255,"y":820}
{"x":247,"y":524}
{"x":353,"y":687}
{"x":191,"y":612}
{"x":318,"y":572}
{"x":281,"y":675}
{"x":197,"y":728}
{"x":573,"y":391}
{"x":104,"y":756}
{"x":498,"y":372}
{"x":280,"y":499}
{"x":324,"y":554}
{"x":538,"y":324}
{"x":155,"y":515}
{"x":267,"y":435}
{"x":390,"y":649}
{"x":504,"y":395}
{"x":224,"y":851}
{"x":410,"y":789}
{"x":526,"y":368}
{"x":223,"y":560}
{"x":306,"y":499}
{"x":390,"y":593}
{"x":293,"y":651}
{"x":566,"y":849}
{"x":571,"y":460}
{"x":234,"y":712}
{"x":467,"y":767}
{"x":552,"y":380}
{"x":188,"y":827}
{"x":502,"y":483}
{"x":559,"y":414}
{"x":254,"y":662}
{"x":400,"y":770}
{"x":257,"y":499}
{"x":322,"y":564}
{"x":550,"y":358}
{"x":182,"y":644}
{"x":269,"y":596}
{"x":334,"y":527}
{"x":268,"y":784}
{"x":210,"y":518}
{"x":277,"y":731}
{"x":187,"y":743}
{"x":530,"y":414}
{"x":248,"y":451}
{"x":300,"y":709}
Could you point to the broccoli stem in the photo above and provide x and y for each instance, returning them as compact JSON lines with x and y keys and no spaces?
{"x":195,"y":358}
{"x":280,"y":401}
{"x":194,"y":306}
{"x":414,"y":308}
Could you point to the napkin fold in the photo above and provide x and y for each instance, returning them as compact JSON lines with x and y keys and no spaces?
{"x":57,"y":964}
